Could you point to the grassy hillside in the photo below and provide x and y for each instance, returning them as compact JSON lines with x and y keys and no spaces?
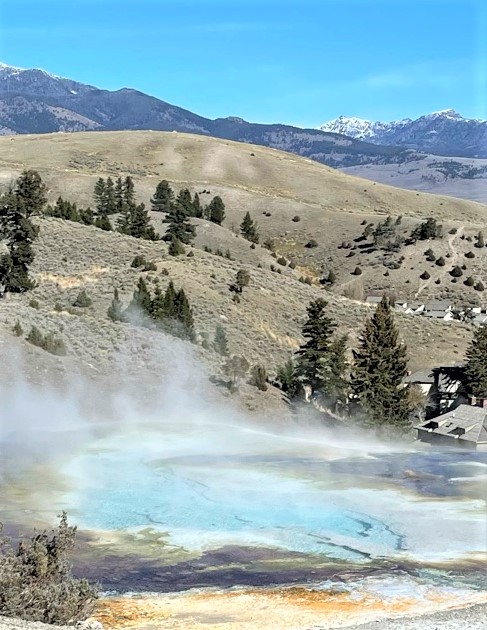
{"x":265,"y":326}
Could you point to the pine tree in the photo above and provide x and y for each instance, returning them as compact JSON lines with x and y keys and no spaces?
{"x":248,"y":229}
{"x":476,"y":364}
{"x":236,"y":367}
{"x":31,"y":191}
{"x":216,"y":210}
{"x":163,"y":198}
{"x":140,"y":226}
{"x":379,"y":367}
{"x":480,"y":240}
{"x":103,"y":222}
{"x":320,"y":361}
{"x":170,"y":308}
{"x":128,"y":192}
{"x":141,"y":302}
{"x":220,"y":343}
{"x":99,"y":195}
{"x":176,"y":248}
{"x":185,"y":201}
{"x":115,"y":309}
{"x":18,"y":234}
{"x":184,"y":316}
{"x":110,"y":203}
{"x":197,"y":209}
{"x":286,"y":378}
{"x":179,"y":226}
{"x":119,"y":194}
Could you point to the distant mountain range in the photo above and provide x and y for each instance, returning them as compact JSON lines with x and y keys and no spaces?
{"x":34,"y":101}
{"x":442,"y":133}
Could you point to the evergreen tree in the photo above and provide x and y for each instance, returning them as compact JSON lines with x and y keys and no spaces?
{"x":31,"y":191}
{"x":141,"y":302}
{"x":176,"y":248}
{"x":248,"y":229}
{"x":287,"y":380}
{"x":184,"y":316}
{"x":170,"y":308}
{"x":140,"y":226}
{"x":99,"y":195}
{"x":236,"y":367}
{"x":480,"y":240}
{"x":110,"y":203}
{"x":216,"y":210}
{"x":163,"y":198}
{"x":185,"y":201}
{"x":18,"y":233}
{"x":320,"y":361}
{"x":379,"y":367}
{"x":115,"y":309}
{"x":119,"y":194}
{"x":103,"y":222}
{"x":197,"y":209}
{"x":128,"y":190}
{"x":476,"y":364}
{"x":179,"y":226}
{"x":158,"y":311}
{"x":220,"y":342}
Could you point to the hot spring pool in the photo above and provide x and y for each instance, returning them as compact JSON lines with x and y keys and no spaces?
{"x":194,"y":490}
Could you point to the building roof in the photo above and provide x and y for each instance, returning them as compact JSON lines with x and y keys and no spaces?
{"x":435,"y":313}
{"x":373,"y":299}
{"x":424,"y":377}
{"x":465,"y":423}
{"x":438,"y":305}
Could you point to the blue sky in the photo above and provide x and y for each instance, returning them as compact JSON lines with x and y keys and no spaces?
{"x":296,"y":61}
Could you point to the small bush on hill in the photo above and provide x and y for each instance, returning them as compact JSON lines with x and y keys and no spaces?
{"x":34,"y":304}
{"x":456,"y":272}
{"x":425,"y":276}
{"x":17,"y":330}
{"x":296,"y":218}
{"x":470,"y":255}
{"x":258,"y":377}
{"x":83,"y":300}
{"x":36,"y":583}
{"x":311,"y":244}
{"x":48,"y":342}
{"x":138,"y":261}
{"x":469,"y":282}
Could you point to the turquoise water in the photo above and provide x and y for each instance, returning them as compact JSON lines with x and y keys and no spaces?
{"x":357,"y":506}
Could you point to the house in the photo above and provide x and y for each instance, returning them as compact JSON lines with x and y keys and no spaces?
{"x":415,"y":308}
{"x":446,"y":316}
{"x":373,"y":299}
{"x":424,"y":379}
{"x":447,"y":390}
{"x":464,"y":427}
{"x":479,"y":320}
{"x":439,"y":305}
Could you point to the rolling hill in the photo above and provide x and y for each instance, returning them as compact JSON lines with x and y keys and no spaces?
{"x":275,"y":188}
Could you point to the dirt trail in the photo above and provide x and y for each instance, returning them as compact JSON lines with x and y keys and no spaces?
{"x":455,"y":255}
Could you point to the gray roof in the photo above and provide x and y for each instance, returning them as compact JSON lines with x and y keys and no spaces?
{"x":373,"y":299}
{"x":437,"y":314}
{"x":415,"y":305}
{"x":422,"y":376}
{"x":438,"y":305}
{"x":465,"y":423}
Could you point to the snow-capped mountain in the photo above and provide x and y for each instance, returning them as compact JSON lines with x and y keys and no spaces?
{"x":35,"y":101}
{"x":444,"y":132}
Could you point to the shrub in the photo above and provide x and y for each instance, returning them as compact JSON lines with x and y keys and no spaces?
{"x":258,"y":377}
{"x":469,"y":282}
{"x":292,"y":265}
{"x":357,"y":271}
{"x":83,"y":300}
{"x":308,"y":280}
{"x":243,"y":278}
{"x":34,"y":304}
{"x":456,"y":272}
{"x":470,"y":255}
{"x":437,"y":281}
{"x":176,"y":248}
{"x":190,"y":254}
{"x":296,"y":218}
{"x":425,"y":276}
{"x":282,"y":261}
{"x":48,"y":342}
{"x":440,"y":261}
{"x":138,"y":261}
{"x":17,"y":330}
{"x":36,"y":583}
{"x":453,"y":231}
{"x":151,"y":266}
{"x":479,"y":286}
{"x":311,"y":244}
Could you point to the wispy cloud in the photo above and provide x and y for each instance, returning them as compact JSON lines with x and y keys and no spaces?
{"x":428,"y":74}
